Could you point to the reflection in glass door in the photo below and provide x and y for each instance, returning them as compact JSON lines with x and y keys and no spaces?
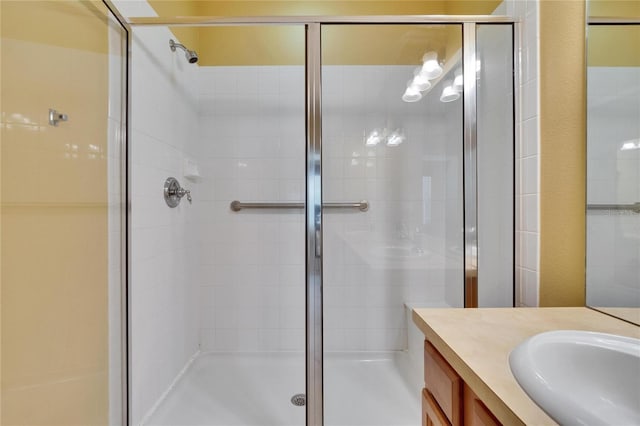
{"x":393,"y":136}
{"x":419,"y":125}
{"x":613,"y":165}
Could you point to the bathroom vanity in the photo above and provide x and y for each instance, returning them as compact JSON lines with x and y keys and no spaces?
{"x":468,"y":380}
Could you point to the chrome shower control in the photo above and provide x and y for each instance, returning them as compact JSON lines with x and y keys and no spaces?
{"x":182,"y":192}
{"x":173,"y":192}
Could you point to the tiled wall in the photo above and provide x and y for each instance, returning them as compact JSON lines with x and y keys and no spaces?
{"x":252,"y":281}
{"x":401,"y":251}
{"x":528,"y":159}
{"x":164,"y":123}
{"x":252,"y":287}
{"x":241,"y":275}
{"x":613,"y":251}
{"x":252,"y":131}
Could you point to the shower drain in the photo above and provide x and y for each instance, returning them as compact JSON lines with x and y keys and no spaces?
{"x":299,"y":399}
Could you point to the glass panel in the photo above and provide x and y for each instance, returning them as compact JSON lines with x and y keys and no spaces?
{"x":399,"y":148}
{"x":613,"y":169}
{"x":61,"y":213}
{"x":495,"y":169}
{"x":218,"y":296}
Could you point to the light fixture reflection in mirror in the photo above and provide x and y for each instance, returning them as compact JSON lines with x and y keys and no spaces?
{"x":458,"y":81}
{"x":419,"y":81}
{"x":396,"y":138}
{"x":631,"y":144}
{"x":431,"y":68}
{"x":374,"y":138}
{"x":449,"y":93}
{"x":391,"y":139}
{"x":411,"y":94}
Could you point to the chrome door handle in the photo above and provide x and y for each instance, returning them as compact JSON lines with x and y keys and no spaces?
{"x":318,"y":243}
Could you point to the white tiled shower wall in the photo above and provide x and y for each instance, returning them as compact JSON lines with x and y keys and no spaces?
{"x":252,"y":284}
{"x":415,"y":201}
{"x":527,"y":155}
{"x":613,"y":248}
{"x":164,"y":122}
{"x":236,"y":282}
{"x":253,"y":139}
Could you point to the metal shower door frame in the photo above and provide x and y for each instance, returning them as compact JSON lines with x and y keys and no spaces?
{"x":313,"y":211}
{"x":314,"y":351}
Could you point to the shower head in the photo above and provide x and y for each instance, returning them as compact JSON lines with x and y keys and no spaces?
{"x":191,"y":55}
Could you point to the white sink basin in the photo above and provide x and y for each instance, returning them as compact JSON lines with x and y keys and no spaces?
{"x":581,"y":378}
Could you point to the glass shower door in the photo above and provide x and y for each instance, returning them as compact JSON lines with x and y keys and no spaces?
{"x":393,"y":136}
{"x":383,"y":218}
{"x":417,"y":124}
{"x":61,"y":213}
{"x":218,"y":284}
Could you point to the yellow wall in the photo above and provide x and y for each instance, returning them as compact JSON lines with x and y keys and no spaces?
{"x":54,"y":214}
{"x":614,"y":8}
{"x":609,"y":46}
{"x":562,"y":153}
{"x":613,"y":45}
{"x":344,"y":45}
{"x":190,"y":37}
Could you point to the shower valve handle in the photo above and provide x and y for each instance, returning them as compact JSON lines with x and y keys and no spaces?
{"x":173,"y":192}
{"x":182,"y":192}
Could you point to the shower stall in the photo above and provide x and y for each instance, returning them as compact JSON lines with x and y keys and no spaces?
{"x":329,"y":175}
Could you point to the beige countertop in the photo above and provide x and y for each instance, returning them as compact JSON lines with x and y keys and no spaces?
{"x":627,"y":314}
{"x":477,"y":343}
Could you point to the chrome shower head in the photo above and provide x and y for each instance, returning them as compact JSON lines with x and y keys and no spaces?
{"x":191,"y":55}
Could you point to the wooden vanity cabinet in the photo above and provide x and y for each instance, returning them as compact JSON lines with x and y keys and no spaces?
{"x":446,"y":399}
{"x":443,"y":384}
{"x":475,"y":412}
{"x":432,"y":415}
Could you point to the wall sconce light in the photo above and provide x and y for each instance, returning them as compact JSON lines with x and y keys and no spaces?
{"x":430,"y":70}
{"x":396,"y":138}
{"x":374,"y":138}
{"x":449,"y":93}
{"x":412,"y":93}
{"x":419,"y":81}
{"x":430,"y":67}
{"x":458,"y":82}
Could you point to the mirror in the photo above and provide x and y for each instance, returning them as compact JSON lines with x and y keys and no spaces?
{"x":613,"y":158}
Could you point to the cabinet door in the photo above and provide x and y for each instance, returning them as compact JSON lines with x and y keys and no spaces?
{"x":443,"y":383}
{"x":475,"y":412}
{"x":432,"y":415}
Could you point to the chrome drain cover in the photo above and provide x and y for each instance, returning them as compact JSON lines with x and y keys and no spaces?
{"x":299,"y":399}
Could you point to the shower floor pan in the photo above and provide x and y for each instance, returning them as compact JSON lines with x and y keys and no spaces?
{"x":367,"y":389}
